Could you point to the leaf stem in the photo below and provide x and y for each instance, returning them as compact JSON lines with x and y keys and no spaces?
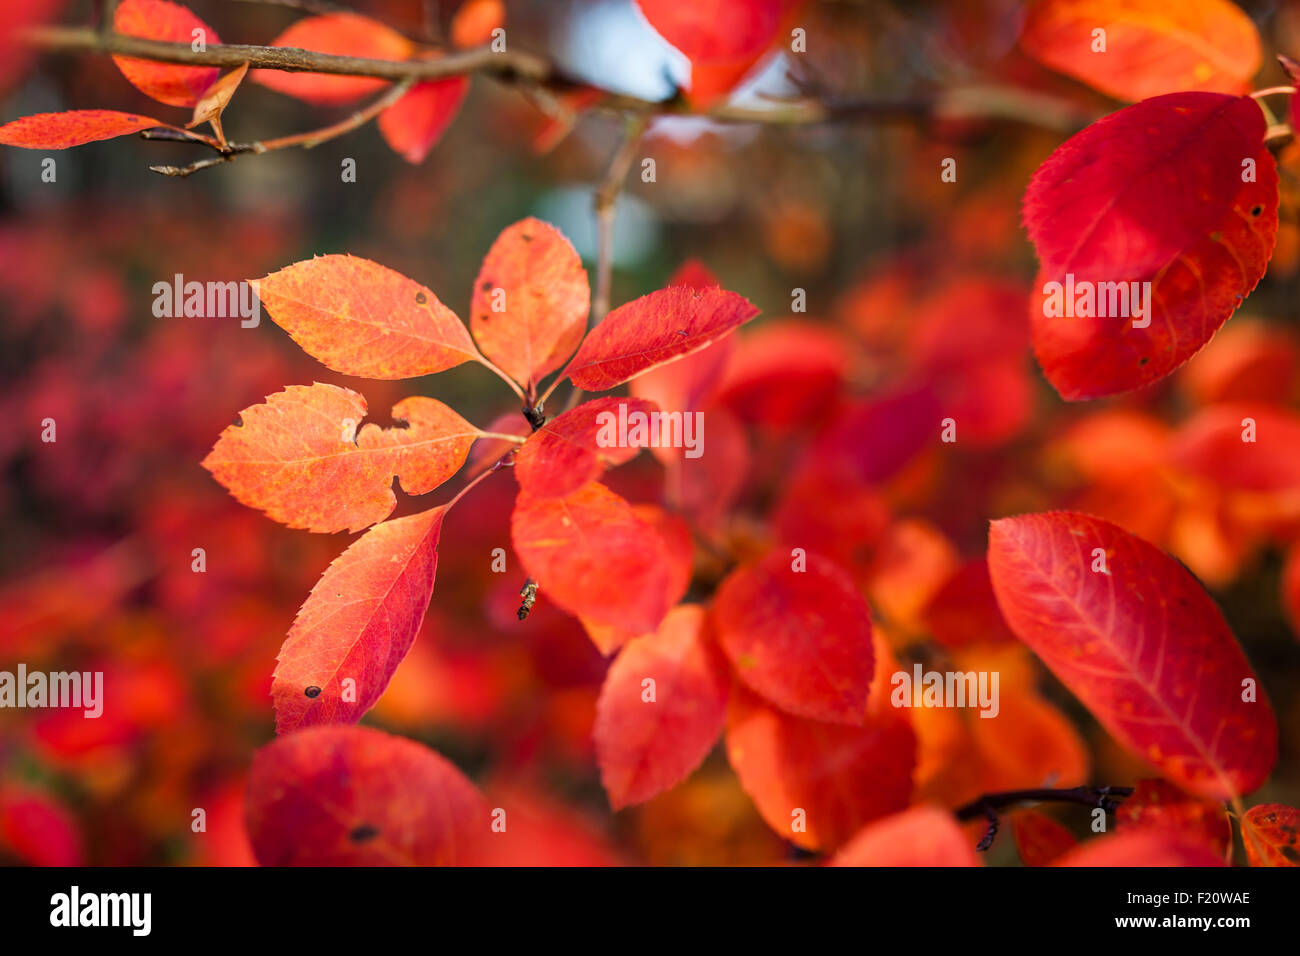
{"x":987,"y":806}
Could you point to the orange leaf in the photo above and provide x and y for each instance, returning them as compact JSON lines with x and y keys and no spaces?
{"x":475,"y":20}
{"x":1140,"y":643}
{"x":645,"y":747}
{"x":170,"y":22}
{"x":1028,"y":744}
{"x":73,"y":128}
{"x":575,"y":448}
{"x":655,"y":329}
{"x":213,"y":103}
{"x":352,"y":796}
{"x":1140,"y":848}
{"x":360,"y":318}
{"x":799,"y":637}
{"x":340,"y":34}
{"x":358,"y":623}
{"x":594,"y":556}
{"x":304,"y":458}
{"x":1158,"y":804}
{"x":921,"y":836}
{"x":1271,"y":835}
{"x":413,"y":125}
{"x":1151,"y":47}
{"x":817,"y":784}
{"x":531,"y":299}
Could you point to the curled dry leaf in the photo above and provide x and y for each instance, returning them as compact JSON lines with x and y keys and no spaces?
{"x":360,"y":318}
{"x":304,"y":458}
{"x":214,"y":101}
{"x":352,"y":796}
{"x":358,"y":623}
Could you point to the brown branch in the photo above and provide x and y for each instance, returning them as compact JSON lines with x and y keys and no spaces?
{"x":987,"y":806}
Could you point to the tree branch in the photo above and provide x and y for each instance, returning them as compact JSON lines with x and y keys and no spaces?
{"x":987,"y":806}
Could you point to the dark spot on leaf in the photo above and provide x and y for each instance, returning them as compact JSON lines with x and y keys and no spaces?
{"x":1257,"y":211}
{"x":313,"y":691}
{"x":363,"y":833}
{"x":421,"y":298}
{"x":683,"y":333}
{"x":1291,"y":854}
{"x":525,"y":237}
{"x":239,"y":421}
{"x":1143,"y":360}
{"x":486,"y":286}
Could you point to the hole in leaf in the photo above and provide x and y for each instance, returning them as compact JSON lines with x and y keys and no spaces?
{"x":313,"y":691}
{"x":421,"y":298}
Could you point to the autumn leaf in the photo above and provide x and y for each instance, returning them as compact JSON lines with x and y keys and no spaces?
{"x":964,"y":611}
{"x":1271,"y":834}
{"x":1039,"y":839}
{"x":304,"y":458}
{"x":73,"y":128}
{"x":1150,"y":47}
{"x":1158,"y":804}
{"x":353,"y":796}
{"x":1140,"y":848}
{"x":531,"y":299}
{"x":170,"y":22}
{"x":1178,"y":191}
{"x":817,"y":784}
{"x":340,"y":34}
{"x":799,"y":636}
{"x":1028,"y":741}
{"x":474,"y":22}
{"x":646,"y":746}
{"x":413,"y":125}
{"x":1139,"y":641}
{"x":1241,"y":446}
{"x":921,"y":836}
{"x":213,"y":102}
{"x":358,"y":623}
{"x":655,"y":329}
{"x":360,"y":318}
{"x":594,"y":556}
{"x":567,"y":452}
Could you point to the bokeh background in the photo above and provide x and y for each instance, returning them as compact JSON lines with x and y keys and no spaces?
{"x":98,"y":528}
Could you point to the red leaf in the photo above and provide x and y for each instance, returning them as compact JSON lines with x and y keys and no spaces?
{"x":170,"y":22}
{"x":39,"y":830}
{"x":360,"y":318}
{"x":965,"y":612}
{"x":577,"y":447}
{"x":921,"y":836}
{"x":1151,"y":48}
{"x":594,"y":557}
{"x":655,"y":329}
{"x":1212,"y":446}
{"x":801,"y":638}
{"x":841,"y":777}
{"x":413,"y":125}
{"x":705,"y":488}
{"x":73,"y":128}
{"x":1153,"y":193}
{"x":305,"y":459}
{"x":1040,"y":840}
{"x":1271,"y":834}
{"x":352,"y":796}
{"x":785,"y":373}
{"x":1141,"y":644}
{"x":680,"y":550}
{"x":531,"y":299}
{"x":341,"y":34}
{"x":1140,"y":848}
{"x":359,"y":622}
{"x":1159,"y":805}
{"x":646,"y":747}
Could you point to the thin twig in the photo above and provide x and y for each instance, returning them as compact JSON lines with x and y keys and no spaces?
{"x":987,"y":806}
